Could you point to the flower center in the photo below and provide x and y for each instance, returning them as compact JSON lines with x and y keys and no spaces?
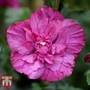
{"x":43,"y":43}
{"x":42,"y":48}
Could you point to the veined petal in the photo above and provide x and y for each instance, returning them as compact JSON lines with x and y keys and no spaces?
{"x":42,"y":17}
{"x":62,"y":67}
{"x":34,"y":70}
{"x":71,"y":34}
{"x":16,"y":36}
{"x":29,"y":58}
{"x":17,"y":62}
{"x":58,"y":49}
{"x":53,"y":30}
{"x":23,"y":64}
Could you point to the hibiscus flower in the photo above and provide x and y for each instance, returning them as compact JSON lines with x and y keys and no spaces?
{"x":45,"y":46}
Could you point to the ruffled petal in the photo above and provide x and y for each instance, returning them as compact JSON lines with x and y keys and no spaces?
{"x":27,"y":65}
{"x":42,"y":17}
{"x":17,"y":62}
{"x":50,"y":13}
{"x":72,"y":35}
{"x":58,"y":49}
{"x":52,"y":30}
{"x":17,"y":37}
{"x":61,"y":68}
{"x":29,"y":58}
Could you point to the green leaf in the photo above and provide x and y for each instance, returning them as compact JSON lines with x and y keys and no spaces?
{"x":36,"y":86}
{"x":13,"y":15}
{"x":88,"y":77}
{"x":68,"y":87}
{"x":51,"y":86}
{"x":53,"y":3}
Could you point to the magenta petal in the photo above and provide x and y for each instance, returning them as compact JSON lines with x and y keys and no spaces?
{"x":42,"y":17}
{"x":23,"y":64}
{"x":36,"y":74}
{"x":34,"y":70}
{"x":71,"y":34}
{"x":52,"y":76}
{"x":37,"y":24}
{"x":50,"y":13}
{"x":58,"y":49}
{"x":17,"y":62}
{"x":29,"y":58}
{"x":52,"y":30}
{"x":17,"y":40}
{"x":62,"y":67}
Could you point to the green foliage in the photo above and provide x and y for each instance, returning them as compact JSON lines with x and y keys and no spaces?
{"x":53,"y":3}
{"x":68,"y":87}
{"x":12,"y":15}
{"x":88,"y":77}
{"x":60,"y":86}
{"x":35,"y":86}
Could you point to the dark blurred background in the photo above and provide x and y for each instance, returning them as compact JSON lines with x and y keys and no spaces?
{"x":17,"y":10}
